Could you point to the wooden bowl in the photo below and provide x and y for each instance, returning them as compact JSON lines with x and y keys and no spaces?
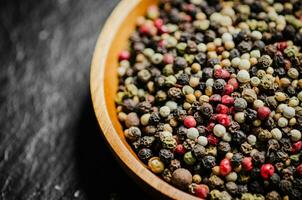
{"x":104,"y":82}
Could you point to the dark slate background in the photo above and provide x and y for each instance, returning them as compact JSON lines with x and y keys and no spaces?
{"x":50,"y":143}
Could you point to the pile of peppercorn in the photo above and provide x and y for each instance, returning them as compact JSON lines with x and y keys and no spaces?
{"x":210,"y":97}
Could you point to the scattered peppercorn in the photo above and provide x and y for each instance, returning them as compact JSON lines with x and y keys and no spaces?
{"x":213,"y":89}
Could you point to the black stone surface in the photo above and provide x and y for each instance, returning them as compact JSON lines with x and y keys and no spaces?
{"x":50,"y":142}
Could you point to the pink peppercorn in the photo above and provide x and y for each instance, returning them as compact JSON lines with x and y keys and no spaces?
{"x":168,"y":58}
{"x":201,"y":191}
{"x":299,"y":170}
{"x":124,"y":55}
{"x":234,"y":83}
{"x":145,"y":29}
{"x":215,"y":98}
{"x":158,"y":23}
{"x":223,"y":119}
{"x":266,"y":171}
{"x":210,"y":126}
{"x":180,"y":149}
{"x":227,"y":100}
{"x":189,"y":122}
{"x":231,"y":110}
{"x":281,"y":46}
{"x":222,"y":73}
{"x":225,"y":167}
{"x":263,"y":112}
{"x":247,"y":164}
{"x":222,"y":109}
{"x":212,"y":140}
{"x":228,"y":89}
{"x":297,"y":146}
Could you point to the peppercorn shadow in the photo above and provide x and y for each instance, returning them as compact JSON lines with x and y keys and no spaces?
{"x":99,"y":174}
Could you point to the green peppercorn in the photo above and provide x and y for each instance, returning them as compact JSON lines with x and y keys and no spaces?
{"x":189,"y":159}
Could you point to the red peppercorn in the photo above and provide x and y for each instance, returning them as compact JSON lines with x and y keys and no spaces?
{"x":299,"y":170}
{"x":168,"y":58}
{"x":158,"y":23}
{"x":247,"y":164}
{"x":212,"y":139}
{"x":225,"y":167}
{"x":227,"y":100}
{"x":124,"y":55}
{"x":210,"y":127}
{"x":163,"y":29}
{"x":144,"y":29}
{"x":281,"y":46}
{"x":201,"y":191}
{"x":180,"y":149}
{"x":297,"y":146}
{"x":234,"y":83}
{"x":263,"y":112}
{"x":222,"y":109}
{"x":231,"y":110}
{"x":223,"y":119}
{"x":189,"y":122}
{"x":266,"y":171}
{"x":222,"y":73}
{"x":215,"y":98}
{"x":161,"y":43}
{"x":228,"y":89}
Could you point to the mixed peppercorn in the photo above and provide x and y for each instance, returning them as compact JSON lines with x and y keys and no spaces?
{"x":210,"y":96}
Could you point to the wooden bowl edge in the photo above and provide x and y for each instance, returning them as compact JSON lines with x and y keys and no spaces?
{"x":97,"y":94}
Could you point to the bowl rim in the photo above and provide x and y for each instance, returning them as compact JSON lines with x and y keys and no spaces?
{"x":140,"y":172}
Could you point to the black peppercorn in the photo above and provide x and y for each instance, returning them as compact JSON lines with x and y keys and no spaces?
{"x":242,"y":36}
{"x":212,"y":62}
{"x":174,"y":165}
{"x":258,"y":157}
{"x":199,"y":151}
{"x":218,"y":85}
{"x":242,"y":189}
{"x":234,"y":53}
{"x":259,"y":44}
{"x":231,"y":187}
{"x":206,"y":110}
{"x":295,"y":194}
{"x":147,"y":141}
{"x":143,"y":107}
{"x":145,"y":154}
{"x":256,"y":187}
{"x":154,"y":118}
{"x":175,"y":93}
{"x":180,"y":63}
{"x":182,"y":133}
{"x":234,"y":127}
{"x":255,"y":173}
{"x":208,"y":162}
{"x":128,"y":105}
{"x":238,"y":137}
{"x":250,"y":114}
{"x":244,"y":47}
{"x":207,"y":73}
{"x":201,"y":58}
{"x":289,"y":32}
{"x":183,"y":79}
{"x":166,"y":155}
{"x":285,"y":186}
{"x":223,"y":147}
{"x":198,"y":38}
{"x":209,"y":36}
{"x":236,"y":159}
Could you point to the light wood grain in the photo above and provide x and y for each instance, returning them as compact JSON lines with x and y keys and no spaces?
{"x":104,"y":82}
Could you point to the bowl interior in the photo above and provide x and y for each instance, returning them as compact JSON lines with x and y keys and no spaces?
{"x":104,"y":83}
{"x":119,"y":43}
